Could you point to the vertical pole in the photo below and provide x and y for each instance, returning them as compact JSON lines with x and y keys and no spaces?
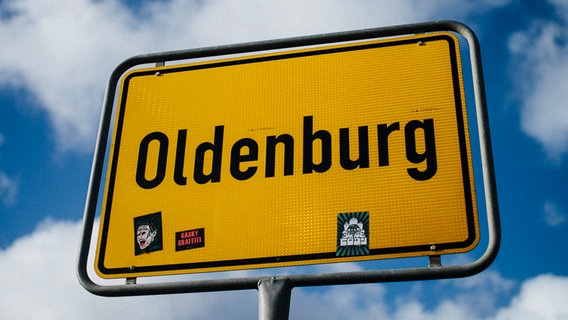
{"x":274,"y":298}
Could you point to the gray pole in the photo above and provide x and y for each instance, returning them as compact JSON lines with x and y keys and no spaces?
{"x":274,"y":298}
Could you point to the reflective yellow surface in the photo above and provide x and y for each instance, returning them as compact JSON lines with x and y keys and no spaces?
{"x":258,"y":161}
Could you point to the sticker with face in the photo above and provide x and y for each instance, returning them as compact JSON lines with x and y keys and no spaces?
{"x":145,"y":235}
{"x":148,"y":233}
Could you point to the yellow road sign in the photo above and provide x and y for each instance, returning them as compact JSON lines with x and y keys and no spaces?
{"x":347,"y":152}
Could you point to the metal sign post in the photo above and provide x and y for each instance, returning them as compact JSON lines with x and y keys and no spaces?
{"x":274,"y":298}
{"x":343,"y":147}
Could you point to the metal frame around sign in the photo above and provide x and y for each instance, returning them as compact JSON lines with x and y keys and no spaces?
{"x":268,"y":285}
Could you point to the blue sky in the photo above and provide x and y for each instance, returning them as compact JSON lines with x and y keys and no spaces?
{"x":55,"y":60}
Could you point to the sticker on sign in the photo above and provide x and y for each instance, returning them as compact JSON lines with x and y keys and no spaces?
{"x":346,"y":152}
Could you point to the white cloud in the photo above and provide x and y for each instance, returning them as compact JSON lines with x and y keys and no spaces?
{"x":415,"y":310}
{"x":8,"y":188}
{"x":552,"y":214}
{"x":480,"y":293}
{"x":8,"y":185}
{"x":38,"y":278}
{"x":64,"y":51}
{"x":340,"y":302}
{"x":561,"y":8}
{"x":543,"y":297}
{"x":541,"y":74}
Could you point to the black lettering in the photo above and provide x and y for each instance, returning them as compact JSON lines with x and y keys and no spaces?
{"x":217,"y":149}
{"x":271,"y":143}
{"x":179,"y":178}
{"x":143,"y":157}
{"x":429,"y":154}
{"x":237,"y":158}
{"x":309,"y":136}
{"x":383,"y":132}
{"x":344,"y":158}
{"x":419,"y":139}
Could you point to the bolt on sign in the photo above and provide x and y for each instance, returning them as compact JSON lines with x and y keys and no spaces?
{"x":345,"y":152}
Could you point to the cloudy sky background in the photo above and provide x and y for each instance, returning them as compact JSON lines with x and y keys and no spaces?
{"x":55,"y":60}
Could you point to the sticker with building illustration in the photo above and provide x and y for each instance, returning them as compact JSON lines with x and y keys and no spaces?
{"x":352,"y":234}
{"x":148,"y":233}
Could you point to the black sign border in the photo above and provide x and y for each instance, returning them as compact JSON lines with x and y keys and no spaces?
{"x":470,"y":217}
{"x":434,"y":272}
